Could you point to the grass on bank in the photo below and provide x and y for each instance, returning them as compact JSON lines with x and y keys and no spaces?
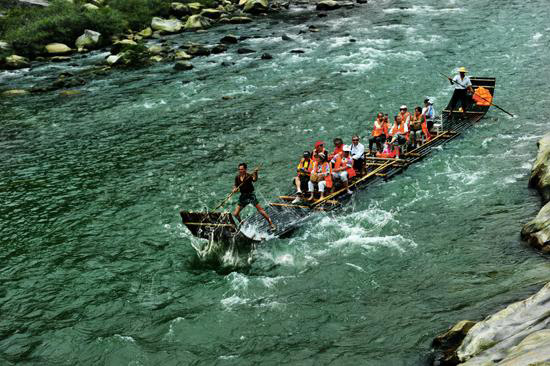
{"x":29,"y":29}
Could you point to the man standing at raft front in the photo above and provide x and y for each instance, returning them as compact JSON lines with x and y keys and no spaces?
{"x":243,"y":183}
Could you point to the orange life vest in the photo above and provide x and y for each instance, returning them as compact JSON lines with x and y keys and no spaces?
{"x":405,"y":116}
{"x":305,"y":164}
{"x":323,"y":169}
{"x":400,"y":129}
{"x":482,"y":97}
{"x":379,"y":128}
{"x":347,"y":162}
{"x":425,"y":128}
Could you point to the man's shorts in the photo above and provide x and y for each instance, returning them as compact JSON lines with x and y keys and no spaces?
{"x":248,"y":198}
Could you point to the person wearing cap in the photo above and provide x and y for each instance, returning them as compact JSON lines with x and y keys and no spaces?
{"x":304,"y":171}
{"x":357,"y":154}
{"x":321,"y":173}
{"x":463,"y":91}
{"x":405,"y":115}
{"x":343,"y":167}
{"x":319,"y":148}
{"x":429,"y":112}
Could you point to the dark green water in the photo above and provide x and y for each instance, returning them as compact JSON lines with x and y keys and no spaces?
{"x":96,"y":269}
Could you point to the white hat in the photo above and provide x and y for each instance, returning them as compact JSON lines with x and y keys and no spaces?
{"x":347,"y":148}
{"x":403,"y":107}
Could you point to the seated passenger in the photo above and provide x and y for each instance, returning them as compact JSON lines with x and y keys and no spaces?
{"x":399,"y":134}
{"x":379,"y":133}
{"x":319,"y":148}
{"x":357,"y":154}
{"x":417,"y":125}
{"x":405,"y":115}
{"x":338,"y":145}
{"x":321,"y":173}
{"x":304,"y":170}
{"x":343,"y":167}
{"x":429,"y":112}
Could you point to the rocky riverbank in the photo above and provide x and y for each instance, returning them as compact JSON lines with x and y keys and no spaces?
{"x":142,"y":47}
{"x":518,"y":335}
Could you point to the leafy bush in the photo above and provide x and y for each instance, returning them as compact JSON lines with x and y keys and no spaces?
{"x":138,"y":13}
{"x":29,"y":29}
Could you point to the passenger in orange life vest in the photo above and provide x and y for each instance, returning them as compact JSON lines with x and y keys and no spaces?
{"x":304,"y":171}
{"x":379,"y":133}
{"x":418,"y":126}
{"x":319,"y":149}
{"x":399,"y":132}
{"x":321,"y":173}
{"x":338,"y":145}
{"x":343,"y":167}
{"x":405,"y":116}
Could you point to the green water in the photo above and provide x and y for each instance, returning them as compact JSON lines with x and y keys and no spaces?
{"x":96,"y":269}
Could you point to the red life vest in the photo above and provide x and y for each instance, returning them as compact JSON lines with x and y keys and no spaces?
{"x":346,"y":162}
{"x":379,"y":128}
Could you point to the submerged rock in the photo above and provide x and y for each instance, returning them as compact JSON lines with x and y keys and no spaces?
{"x":239,"y":20}
{"x":88,"y":40}
{"x":540,"y":173}
{"x":245,"y":50}
{"x":229,"y":39}
{"x":16,"y":62}
{"x":14,"y":92}
{"x":266,"y":56}
{"x":326,"y":5}
{"x":198,"y":50}
{"x":166,"y":25}
{"x":183,"y":66}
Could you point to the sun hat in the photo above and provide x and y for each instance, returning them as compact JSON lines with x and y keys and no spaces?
{"x":462,"y":69}
{"x":346,"y":148}
{"x":403,"y":107}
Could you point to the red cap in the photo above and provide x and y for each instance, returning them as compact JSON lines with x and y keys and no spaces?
{"x":319,"y":143}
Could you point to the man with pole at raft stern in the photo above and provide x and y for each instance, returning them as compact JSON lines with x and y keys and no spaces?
{"x":243,"y":183}
{"x":463,"y":91}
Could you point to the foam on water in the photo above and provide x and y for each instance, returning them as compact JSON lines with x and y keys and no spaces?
{"x":422,"y":9}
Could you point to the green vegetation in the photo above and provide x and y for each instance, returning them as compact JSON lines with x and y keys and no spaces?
{"x":28,"y":29}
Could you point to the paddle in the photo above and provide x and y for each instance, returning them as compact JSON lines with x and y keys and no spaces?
{"x":235,"y":191}
{"x":494,"y":105}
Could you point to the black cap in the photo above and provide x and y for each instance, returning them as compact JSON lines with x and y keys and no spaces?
{"x":307,"y":154}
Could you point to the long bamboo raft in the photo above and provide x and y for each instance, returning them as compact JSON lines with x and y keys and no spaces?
{"x":220,"y":226}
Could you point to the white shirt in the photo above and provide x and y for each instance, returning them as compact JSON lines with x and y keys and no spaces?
{"x":357,"y":151}
{"x":461,"y":83}
{"x":429,"y":112}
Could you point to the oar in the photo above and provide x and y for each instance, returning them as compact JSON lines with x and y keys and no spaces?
{"x":235,"y":191}
{"x":494,"y":105}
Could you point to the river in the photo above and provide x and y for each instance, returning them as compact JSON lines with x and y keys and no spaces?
{"x":96,"y":268}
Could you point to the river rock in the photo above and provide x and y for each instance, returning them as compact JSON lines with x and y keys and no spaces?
{"x":14,"y":92}
{"x":198,"y":50}
{"x":239,"y":20}
{"x":266,"y":56}
{"x":183,"y":66}
{"x":254,"y":6}
{"x":58,"y":49}
{"x":537,"y":231}
{"x":90,"y":7}
{"x":16,"y":62}
{"x":5,"y":46}
{"x":166,"y":25}
{"x":195,"y":22}
{"x":245,"y":50}
{"x":195,"y":8}
{"x":449,"y":341}
{"x":60,"y":58}
{"x":113,"y":59}
{"x":70,"y":93}
{"x":146,"y":33}
{"x":182,"y":55}
{"x":88,"y":40}
{"x":119,"y":45}
{"x":510,"y":334}
{"x":180,"y":9}
{"x":284,"y":37}
{"x":229,"y":39}
{"x":211,"y":13}
{"x":326,"y":5}
{"x":155,"y":49}
{"x":43,"y":3}
{"x":540,"y":173}
{"x":156,"y":58}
